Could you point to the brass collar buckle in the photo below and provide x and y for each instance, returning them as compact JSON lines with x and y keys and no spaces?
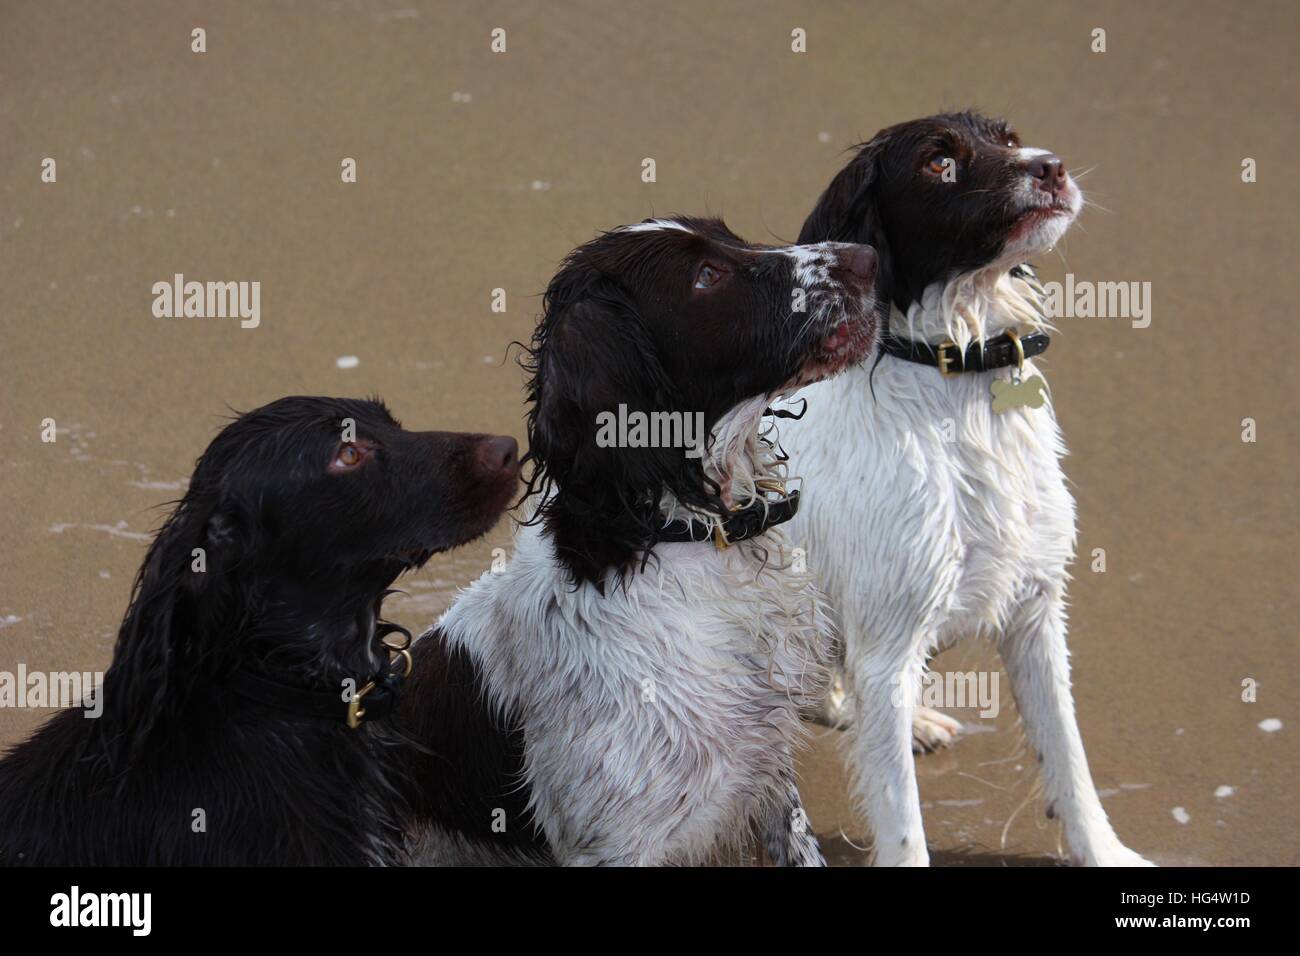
{"x":391,"y":680}
{"x":944,"y":360}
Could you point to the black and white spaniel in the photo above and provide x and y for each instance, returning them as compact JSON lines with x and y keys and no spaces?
{"x":934,"y":511}
{"x":649,"y":644}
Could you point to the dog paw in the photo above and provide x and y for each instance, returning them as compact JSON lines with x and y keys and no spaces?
{"x":932,"y":730}
{"x":836,"y":709}
{"x":1118,"y":855}
{"x":903,"y":855}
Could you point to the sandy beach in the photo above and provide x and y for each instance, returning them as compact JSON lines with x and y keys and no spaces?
{"x":478,"y":171}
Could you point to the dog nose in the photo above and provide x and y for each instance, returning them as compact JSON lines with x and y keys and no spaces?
{"x":861,"y":261}
{"x":1048,"y":172}
{"x":497,"y":454}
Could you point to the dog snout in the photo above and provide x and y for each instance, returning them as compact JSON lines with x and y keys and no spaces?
{"x":861,"y":261}
{"x":1048,"y":172}
{"x":496,"y":456}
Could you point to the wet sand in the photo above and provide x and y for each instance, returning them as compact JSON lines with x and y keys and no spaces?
{"x":478,"y":171}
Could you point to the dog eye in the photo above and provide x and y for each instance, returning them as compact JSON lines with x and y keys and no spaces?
{"x":707,"y":277}
{"x":348,"y":457}
{"x":939,"y":164}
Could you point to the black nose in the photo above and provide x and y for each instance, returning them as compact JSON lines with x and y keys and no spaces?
{"x":861,"y":261}
{"x":497,"y":455}
{"x":1048,"y":173}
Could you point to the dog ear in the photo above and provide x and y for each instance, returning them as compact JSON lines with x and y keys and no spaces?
{"x":222,"y":590}
{"x":593,"y":352}
{"x":848,"y":210}
{"x":184,"y":602}
{"x":152,"y":640}
{"x":590,"y":354}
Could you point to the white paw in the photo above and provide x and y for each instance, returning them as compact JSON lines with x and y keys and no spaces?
{"x":1117,"y":855}
{"x":932,"y":730}
{"x":903,"y":855}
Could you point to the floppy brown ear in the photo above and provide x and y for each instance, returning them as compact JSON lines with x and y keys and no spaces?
{"x":848,"y":212}
{"x":591,"y":353}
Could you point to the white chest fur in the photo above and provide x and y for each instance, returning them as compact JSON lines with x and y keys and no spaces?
{"x":658,"y":717}
{"x":921,"y":490}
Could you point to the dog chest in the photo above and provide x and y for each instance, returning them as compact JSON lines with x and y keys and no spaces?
{"x":658,"y":717}
{"x":921,"y":489}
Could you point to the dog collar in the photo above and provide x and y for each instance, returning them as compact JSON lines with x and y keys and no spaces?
{"x":1001,"y":351}
{"x":740,"y":525}
{"x":374,"y":699}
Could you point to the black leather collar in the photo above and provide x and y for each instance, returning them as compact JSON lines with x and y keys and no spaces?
{"x":741,"y":525}
{"x":997,"y":352}
{"x":372,"y":699}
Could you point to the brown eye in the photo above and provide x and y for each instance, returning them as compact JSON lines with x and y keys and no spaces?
{"x":348,"y":457}
{"x":707,"y":277}
{"x":939,"y":164}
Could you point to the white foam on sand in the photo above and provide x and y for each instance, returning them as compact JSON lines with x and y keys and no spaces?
{"x":118,"y":530}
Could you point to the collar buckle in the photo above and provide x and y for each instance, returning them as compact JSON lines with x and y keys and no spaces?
{"x":720,"y":537}
{"x":355,"y":711}
{"x":943,"y":359}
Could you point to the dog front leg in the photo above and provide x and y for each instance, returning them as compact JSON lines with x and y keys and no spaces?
{"x":1034,"y":651}
{"x":886,"y":677}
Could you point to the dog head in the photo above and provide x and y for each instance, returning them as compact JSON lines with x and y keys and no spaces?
{"x":297,"y":518}
{"x":675,"y":316}
{"x":327,"y":492}
{"x":943,"y":196}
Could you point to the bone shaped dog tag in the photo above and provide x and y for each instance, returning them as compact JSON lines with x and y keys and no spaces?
{"x":1015,"y":393}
